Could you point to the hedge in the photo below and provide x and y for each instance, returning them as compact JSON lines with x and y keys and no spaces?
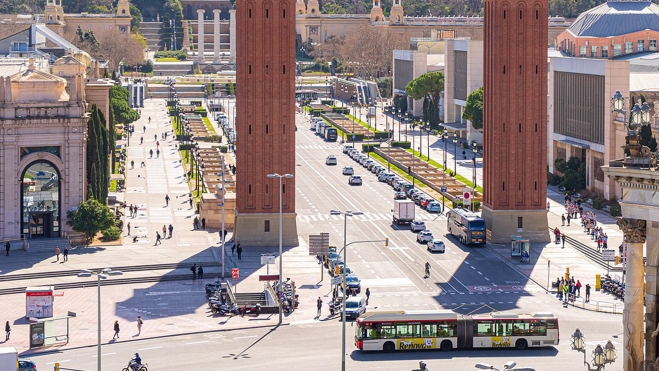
{"x":368,"y":147}
{"x":476,"y":205}
{"x":343,"y":110}
{"x":402,"y":144}
{"x":382,"y":135}
{"x":223,"y":149}
{"x":316,"y":111}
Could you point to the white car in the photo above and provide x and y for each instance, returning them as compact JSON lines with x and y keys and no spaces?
{"x":347,"y":149}
{"x":436,"y":246}
{"x":424,"y":236}
{"x":331,"y":160}
{"x":355,"y":179}
{"x":417,"y":225}
{"x":384,"y":176}
{"x":348,"y":170}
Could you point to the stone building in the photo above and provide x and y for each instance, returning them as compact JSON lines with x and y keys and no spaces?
{"x":67,"y":23}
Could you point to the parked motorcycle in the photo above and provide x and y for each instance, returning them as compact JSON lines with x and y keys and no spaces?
{"x":256,"y":310}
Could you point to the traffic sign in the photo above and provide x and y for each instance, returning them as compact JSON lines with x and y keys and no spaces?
{"x":267,"y":258}
{"x":336,"y":280}
{"x":235,"y":273}
{"x":466,"y":198}
{"x":443,"y":189}
{"x":608,"y":254}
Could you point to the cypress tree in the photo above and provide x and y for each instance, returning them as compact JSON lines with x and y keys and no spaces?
{"x":91,"y":157}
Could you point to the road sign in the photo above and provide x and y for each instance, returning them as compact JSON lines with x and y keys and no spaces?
{"x":608,"y":254}
{"x":235,"y":273}
{"x":267,"y":258}
{"x":466,"y":198}
{"x":336,"y":280}
{"x":443,"y":189}
{"x":318,"y":243}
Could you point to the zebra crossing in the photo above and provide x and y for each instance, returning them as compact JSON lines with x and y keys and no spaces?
{"x":316,"y":146}
{"x":366,"y":217}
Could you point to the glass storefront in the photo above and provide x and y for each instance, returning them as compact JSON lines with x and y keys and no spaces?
{"x":41,"y":201}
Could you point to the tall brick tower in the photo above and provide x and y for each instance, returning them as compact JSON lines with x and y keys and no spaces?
{"x":515,"y":120}
{"x":265,"y":121}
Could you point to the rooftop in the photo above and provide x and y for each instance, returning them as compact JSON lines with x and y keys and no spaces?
{"x":615,"y":18}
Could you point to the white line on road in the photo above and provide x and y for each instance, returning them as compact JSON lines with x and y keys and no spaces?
{"x":104,"y":354}
{"x":62,"y":361}
{"x":197,"y":342}
{"x":149,"y":348}
{"x":486,"y":279}
{"x":244,"y":337}
{"x":479,"y":273}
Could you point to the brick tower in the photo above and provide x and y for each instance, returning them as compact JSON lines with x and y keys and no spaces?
{"x":265,"y":121}
{"x":515,"y":120}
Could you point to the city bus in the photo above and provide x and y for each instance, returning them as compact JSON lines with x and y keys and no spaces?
{"x":330,"y":134}
{"x":446,"y":330}
{"x":468,"y":227}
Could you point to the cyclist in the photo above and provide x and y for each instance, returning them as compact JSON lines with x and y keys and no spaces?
{"x":427,"y":269}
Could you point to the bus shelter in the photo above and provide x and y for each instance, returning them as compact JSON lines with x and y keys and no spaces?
{"x":520,"y":246}
{"x":49,"y":331}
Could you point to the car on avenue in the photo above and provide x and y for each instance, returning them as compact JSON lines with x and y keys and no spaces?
{"x":353,"y":283}
{"x":417,"y":225}
{"x":424,"y":236}
{"x":348,"y":170}
{"x":425,"y":201}
{"x":26,"y":365}
{"x":384,"y":177}
{"x":330,"y":160}
{"x":399,"y":196}
{"x":434,"y":207}
{"x":347,"y":149}
{"x":355,"y":306}
{"x":355,"y":180}
{"x":436,"y":246}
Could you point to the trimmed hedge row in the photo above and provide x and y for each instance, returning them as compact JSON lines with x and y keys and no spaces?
{"x":402,"y":144}
{"x":368,"y":147}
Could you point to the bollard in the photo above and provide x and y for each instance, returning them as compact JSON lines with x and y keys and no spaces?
{"x":56,"y":366}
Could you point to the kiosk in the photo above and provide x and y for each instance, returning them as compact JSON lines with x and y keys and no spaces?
{"x":519,"y":246}
{"x":39,"y":301}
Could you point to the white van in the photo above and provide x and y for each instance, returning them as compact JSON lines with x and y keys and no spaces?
{"x":355,"y":306}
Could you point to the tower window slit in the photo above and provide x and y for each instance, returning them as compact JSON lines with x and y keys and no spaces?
{"x":249,"y":129}
{"x":266,"y":129}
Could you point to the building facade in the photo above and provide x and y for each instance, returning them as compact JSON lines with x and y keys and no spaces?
{"x":265,"y":122}
{"x":515,"y":120}
{"x":68,"y":23}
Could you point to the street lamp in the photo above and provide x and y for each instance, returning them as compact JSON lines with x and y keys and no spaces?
{"x":100,"y":275}
{"x":510,"y":365}
{"x":346,"y":214}
{"x":455,"y":153}
{"x":444,"y":139}
{"x":640,"y":116}
{"x":399,"y":118}
{"x":601,"y":356}
{"x":281,"y":266}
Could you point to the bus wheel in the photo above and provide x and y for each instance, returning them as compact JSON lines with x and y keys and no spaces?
{"x":521,"y":344}
{"x":446,"y":345}
{"x":389,"y":347}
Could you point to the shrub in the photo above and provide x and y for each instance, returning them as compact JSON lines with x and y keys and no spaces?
{"x":615,"y":210}
{"x":343,"y":110}
{"x":223,"y":149}
{"x":475,"y":204}
{"x":554,"y":180}
{"x":367,"y":147}
{"x":111,"y":234}
{"x":216,"y":138}
{"x":178,"y":54}
{"x":405,"y":145}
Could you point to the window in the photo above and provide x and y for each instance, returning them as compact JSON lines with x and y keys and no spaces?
{"x":408,"y":331}
{"x":582,"y":51}
{"x":617,"y":50}
{"x":483,"y":328}
{"x":520,"y":222}
{"x":652,"y":45}
{"x":629,"y":47}
{"x":593,"y":51}
{"x":267,"y":226}
{"x":640,"y":46}
{"x":605,"y":52}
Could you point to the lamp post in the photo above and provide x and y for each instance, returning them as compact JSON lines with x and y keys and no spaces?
{"x":100,"y":275}
{"x":326,"y":87}
{"x":345,"y":214}
{"x":455,"y":154}
{"x":640,"y":116}
{"x":474,"y":149}
{"x":601,"y":356}
{"x":223,"y":201}
{"x":444,"y":139}
{"x":281,"y":266}
{"x":399,"y":119}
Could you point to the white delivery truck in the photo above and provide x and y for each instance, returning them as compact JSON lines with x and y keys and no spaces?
{"x":8,"y":359}
{"x":403,"y":211}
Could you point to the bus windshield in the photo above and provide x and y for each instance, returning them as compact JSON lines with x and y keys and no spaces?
{"x":477,"y":225}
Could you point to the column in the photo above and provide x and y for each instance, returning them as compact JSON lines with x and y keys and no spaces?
{"x":232,"y":36}
{"x":634,"y":231}
{"x":200,"y":36}
{"x":216,"y":35}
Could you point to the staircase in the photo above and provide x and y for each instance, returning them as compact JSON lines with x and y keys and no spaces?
{"x":161,"y":91}
{"x":44,"y":244}
{"x":249,"y":298}
{"x":172,"y":68}
{"x":152,"y":32}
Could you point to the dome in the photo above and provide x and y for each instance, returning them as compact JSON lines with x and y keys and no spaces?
{"x":615,"y":18}
{"x":83,"y":57}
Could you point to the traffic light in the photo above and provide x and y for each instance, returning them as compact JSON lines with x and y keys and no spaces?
{"x":386,"y":242}
{"x":617,"y":259}
{"x":56,"y":366}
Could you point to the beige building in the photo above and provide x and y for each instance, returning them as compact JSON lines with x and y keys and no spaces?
{"x":66,"y":23}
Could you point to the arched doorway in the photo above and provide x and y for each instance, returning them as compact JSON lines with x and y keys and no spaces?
{"x":40,"y":200}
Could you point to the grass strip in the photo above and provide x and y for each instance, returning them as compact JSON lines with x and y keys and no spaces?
{"x":434,"y":163}
{"x":209,"y":126}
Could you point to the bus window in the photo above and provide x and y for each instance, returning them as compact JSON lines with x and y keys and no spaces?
{"x":429,"y":330}
{"x":388,"y":331}
{"x":483,"y":329}
{"x":521,"y":328}
{"x":405,"y":330}
{"x":552,"y":324}
{"x":446,"y":330}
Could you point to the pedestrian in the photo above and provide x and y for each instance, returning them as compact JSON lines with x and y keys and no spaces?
{"x":144,"y":127}
{"x":142,"y":164}
{"x":130,"y":210}
{"x":128,"y":226}
{"x":155,"y":137}
{"x":66,"y":254}
{"x":193,"y":269}
{"x":116,"y":330}
{"x":157,"y":239}
{"x":157,"y":153}
{"x":135,"y":211}
{"x":157,"y":144}
{"x":171,"y":229}
{"x":57,"y":252}
{"x":200,"y":272}
{"x":547,"y":201}
{"x":190,"y":202}
{"x":7,"y":247}
{"x":560,"y":291}
{"x":562,"y":220}
{"x":164,"y":231}
{"x":233,"y":247}
{"x":568,"y":219}
{"x":7,"y":331}
{"x":566,"y":290}
{"x":150,"y":153}
{"x":141,"y":140}
{"x":563,"y":239}
{"x":319,"y":304}
{"x":195,"y":223}
{"x":132,"y":164}
{"x":368,"y":294}
{"x":588,"y":292}
{"x":239,"y":250}
{"x":578,"y":287}
{"x":166,"y":200}
{"x":139,"y":325}
{"x":203,"y":223}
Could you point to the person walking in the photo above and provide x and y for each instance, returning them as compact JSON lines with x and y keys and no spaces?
{"x":7,"y":331}
{"x":150,"y":153}
{"x":587,"y":292}
{"x":190,"y":201}
{"x":319,"y":304}
{"x":233,"y":247}
{"x":144,"y":127}
{"x":157,"y":153}
{"x":139,"y":325}
{"x":171,"y":229}
{"x":135,"y":212}
{"x":157,"y":239}
{"x":157,"y":144}
{"x":568,"y":219}
{"x":155,"y":137}
{"x":132,"y":164}
{"x":239,"y":250}
{"x":578,"y":287}
{"x":116,"y":330}
{"x":561,"y":288}
{"x":563,"y":240}
{"x":166,"y":200}
{"x":562,"y":220}
{"x":130,"y":210}
{"x":368,"y":295}
{"x":203,"y":223}
{"x":57,"y":252}
{"x":195,"y":223}
{"x":200,"y":272}
{"x":141,"y":140}
{"x":7,"y":247}
{"x":193,"y":269}
{"x":164,"y":231}
{"x":66,"y":254}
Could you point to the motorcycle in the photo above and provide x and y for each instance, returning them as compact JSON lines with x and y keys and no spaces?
{"x":142,"y":366}
{"x":256,"y":310}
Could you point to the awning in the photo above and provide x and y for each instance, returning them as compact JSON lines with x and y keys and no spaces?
{"x":574,"y":143}
{"x":457,"y":126}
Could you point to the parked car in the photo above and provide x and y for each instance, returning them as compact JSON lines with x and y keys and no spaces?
{"x":400,"y":185}
{"x":348,"y":170}
{"x":424,"y":236}
{"x":434,"y":207}
{"x":355,"y":306}
{"x":410,"y":192}
{"x":417,"y":226}
{"x":347,"y":149}
{"x":384,"y":177}
{"x":406,"y":187}
{"x":416,"y":196}
{"x":399,"y":196}
{"x":371,"y":165}
{"x":436,"y":246}
{"x":367,"y":162}
{"x":26,"y":365}
{"x":330,"y":160}
{"x":353,"y":282}
{"x":376,"y":169}
{"x":425,"y":201}
{"x":364,"y":160}
{"x":355,"y":180}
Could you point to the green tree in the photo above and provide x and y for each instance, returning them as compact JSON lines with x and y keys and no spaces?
{"x":90,"y":218}
{"x":474,"y":109}
{"x":429,"y":85}
{"x":647,"y":139}
{"x":121,"y":111}
{"x":136,"y":18}
{"x":574,"y":173}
